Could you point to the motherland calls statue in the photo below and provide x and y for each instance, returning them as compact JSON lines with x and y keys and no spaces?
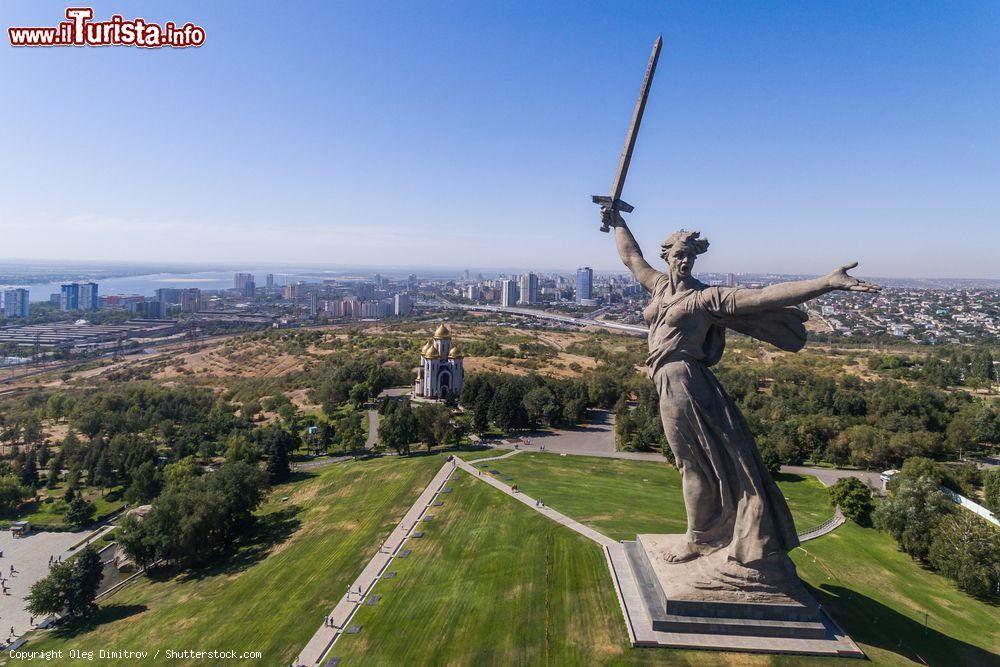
{"x":734,"y":508}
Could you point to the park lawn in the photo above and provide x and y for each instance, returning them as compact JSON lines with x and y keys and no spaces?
{"x":270,"y":596}
{"x":853,"y":562}
{"x":51,"y":515}
{"x":879,"y":595}
{"x":622,"y":498}
{"x":491,"y":582}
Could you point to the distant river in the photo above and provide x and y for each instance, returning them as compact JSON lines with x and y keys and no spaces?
{"x":146,"y":285}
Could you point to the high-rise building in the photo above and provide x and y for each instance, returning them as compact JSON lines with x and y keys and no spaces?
{"x":190,"y":299}
{"x":270,"y":281}
{"x":730,"y":280}
{"x":240,"y":282}
{"x":15,"y":303}
{"x":508,"y":293}
{"x":473,"y":292}
{"x":69,"y":297}
{"x":403,"y":305}
{"x":313,"y":300}
{"x":88,"y":296}
{"x":77,"y":296}
{"x":529,"y":288}
{"x":168,"y":295}
{"x":584,"y":284}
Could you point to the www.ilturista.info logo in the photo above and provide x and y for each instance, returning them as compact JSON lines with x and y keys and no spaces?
{"x":80,"y":30}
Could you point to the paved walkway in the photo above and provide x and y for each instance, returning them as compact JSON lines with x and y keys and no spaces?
{"x":596,"y":438}
{"x":372,"y":429}
{"x":828,"y":526}
{"x":829,"y":476}
{"x":341,"y":614}
{"x":30,"y":557}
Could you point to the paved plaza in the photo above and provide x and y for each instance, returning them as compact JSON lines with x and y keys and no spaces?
{"x":30,"y":557}
{"x":596,"y":438}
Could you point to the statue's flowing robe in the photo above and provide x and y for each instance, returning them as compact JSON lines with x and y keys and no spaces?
{"x":740,"y":507}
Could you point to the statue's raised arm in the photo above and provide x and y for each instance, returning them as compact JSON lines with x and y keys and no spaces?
{"x":799,"y":291}
{"x":629,"y":250}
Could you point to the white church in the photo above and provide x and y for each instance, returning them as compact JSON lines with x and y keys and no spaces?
{"x":440,"y":372}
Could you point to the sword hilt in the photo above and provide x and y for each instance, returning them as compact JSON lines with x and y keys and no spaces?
{"x":614,"y":204}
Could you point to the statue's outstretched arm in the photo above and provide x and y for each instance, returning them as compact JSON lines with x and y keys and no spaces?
{"x":629,"y":250}
{"x":799,"y":291}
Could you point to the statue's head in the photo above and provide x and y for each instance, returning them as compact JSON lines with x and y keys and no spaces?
{"x":679,"y":251}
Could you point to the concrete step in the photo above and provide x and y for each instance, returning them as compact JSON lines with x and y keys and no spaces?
{"x":740,"y":626}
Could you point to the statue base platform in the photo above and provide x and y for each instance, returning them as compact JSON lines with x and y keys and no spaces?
{"x":712,"y":602}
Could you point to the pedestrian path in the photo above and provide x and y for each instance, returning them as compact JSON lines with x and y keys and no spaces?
{"x":341,"y":614}
{"x":837,"y":521}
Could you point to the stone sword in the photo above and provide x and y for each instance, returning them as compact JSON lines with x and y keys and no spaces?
{"x":614,"y":201}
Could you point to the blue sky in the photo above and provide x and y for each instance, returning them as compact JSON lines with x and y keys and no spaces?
{"x":796,"y":136}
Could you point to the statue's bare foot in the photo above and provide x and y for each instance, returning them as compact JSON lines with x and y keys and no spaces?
{"x":681,"y":553}
{"x":676,"y":549}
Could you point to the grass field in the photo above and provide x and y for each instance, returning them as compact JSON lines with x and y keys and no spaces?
{"x":621,"y":498}
{"x":272,"y":595}
{"x":49,"y":514}
{"x":880,"y":595}
{"x":518,"y":589}
{"x":490,"y":583}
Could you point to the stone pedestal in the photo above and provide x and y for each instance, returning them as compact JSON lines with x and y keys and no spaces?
{"x":714,"y":602}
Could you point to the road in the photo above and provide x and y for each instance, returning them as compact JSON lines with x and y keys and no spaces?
{"x":829,"y":476}
{"x":372,"y":429}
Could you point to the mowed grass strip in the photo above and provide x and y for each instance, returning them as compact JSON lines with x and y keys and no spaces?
{"x":622,"y":498}
{"x":491,"y":582}
{"x":876,"y":592}
{"x":879,"y":595}
{"x":271,"y":596}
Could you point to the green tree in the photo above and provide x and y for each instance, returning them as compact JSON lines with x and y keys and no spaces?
{"x":199,"y":521}
{"x":991,"y":489}
{"x":398,"y":428}
{"x":147,"y":480}
{"x":507,"y":410}
{"x":854,"y":498}
{"x":241,"y":447}
{"x":277,"y":444}
{"x":965,"y":548}
{"x":29,"y":471}
{"x":12,"y":494}
{"x":351,"y":431}
{"x":70,"y":588}
{"x":434,"y":425}
{"x":911,"y":513}
{"x":180,"y":472}
{"x":80,"y":512}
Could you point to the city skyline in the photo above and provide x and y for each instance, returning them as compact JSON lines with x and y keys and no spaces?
{"x":401,"y":137}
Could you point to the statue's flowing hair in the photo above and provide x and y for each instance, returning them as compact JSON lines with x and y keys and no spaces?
{"x":684,"y":238}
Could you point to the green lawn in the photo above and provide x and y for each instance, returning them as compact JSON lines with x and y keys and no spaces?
{"x":622,"y":498}
{"x":859,"y":573}
{"x":880,"y":594}
{"x":50,"y":514}
{"x":491,"y":583}
{"x":271,"y":596}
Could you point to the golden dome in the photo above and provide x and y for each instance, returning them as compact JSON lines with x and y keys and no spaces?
{"x":429,"y":350}
{"x":455,"y":353}
{"x":442,"y":332}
